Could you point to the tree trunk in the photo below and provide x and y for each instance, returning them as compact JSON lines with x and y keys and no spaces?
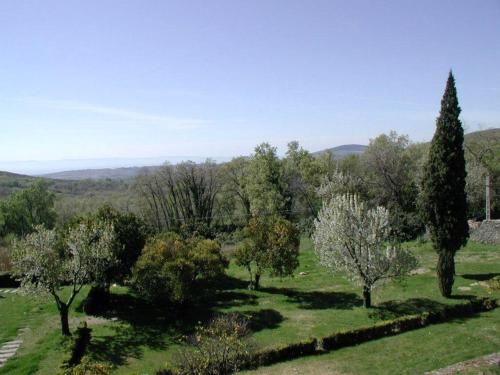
{"x":257,"y":281}
{"x":63,"y":312}
{"x":367,"y":297}
{"x":446,"y":272}
{"x":487,"y":198}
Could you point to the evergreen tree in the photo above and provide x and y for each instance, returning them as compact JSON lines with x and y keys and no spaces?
{"x":443,"y":197}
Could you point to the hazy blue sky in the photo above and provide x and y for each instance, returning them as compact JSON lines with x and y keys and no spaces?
{"x":100,"y":79}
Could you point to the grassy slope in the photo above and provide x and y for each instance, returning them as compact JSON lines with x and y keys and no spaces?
{"x":142,"y":340}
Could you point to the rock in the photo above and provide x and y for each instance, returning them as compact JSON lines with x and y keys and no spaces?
{"x":303,"y":273}
{"x":419,"y":271}
{"x":488,"y":232}
{"x":464,"y":288}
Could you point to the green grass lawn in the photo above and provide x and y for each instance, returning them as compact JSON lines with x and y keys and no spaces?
{"x":138,"y":339}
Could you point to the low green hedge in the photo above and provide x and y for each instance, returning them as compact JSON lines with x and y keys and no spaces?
{"x":77,"y":347}
{"x":405,"y":323}
{"x":283,"y":353}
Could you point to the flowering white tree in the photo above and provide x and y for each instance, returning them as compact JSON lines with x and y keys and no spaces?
{"x":349,"y":237}
{"x":41,"y":265}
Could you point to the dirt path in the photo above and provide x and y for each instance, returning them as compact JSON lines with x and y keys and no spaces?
{"x":487,"y":360}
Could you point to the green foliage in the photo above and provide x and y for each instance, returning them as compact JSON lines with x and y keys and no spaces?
{"x":302,"y":174}
{"x":272,"y":245}
{"x":171,"y":269}
{"x":77,"y":346}
{"x":234,"y":200}
{"x":23,"y":210}
{"x":283,"y":248}
{"x":265,"y":185}
{"x":219,"y":348}
{"x":130,"y":238}
{"x":389,"y":164}
{"x":44,"y":264}
{"x":444,"y":205}
{"x":89,"y":367}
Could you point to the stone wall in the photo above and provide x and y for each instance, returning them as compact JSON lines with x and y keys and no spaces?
{"x":488,"y":232}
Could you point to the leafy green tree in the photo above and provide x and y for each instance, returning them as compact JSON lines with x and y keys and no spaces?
{"x":42,"y":265}
{"x":234,"y":175}
{"x":391,"y":179}
{"x":272,"y":245}
{"x":27,"y":208}
{"x":130,"y":238}
{"x":266,"y":187}
{"x":303,"y":174}
{"x":174,"y":270}
{"x":444,"y":204}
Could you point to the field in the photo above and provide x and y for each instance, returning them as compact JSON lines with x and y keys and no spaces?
{"x":139,"y":339}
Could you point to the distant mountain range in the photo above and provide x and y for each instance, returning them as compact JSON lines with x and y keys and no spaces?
{"x":101,"y":174}
{"x":142,"y":166}
{"x":338,"y":152}
{"x":341,"y":152}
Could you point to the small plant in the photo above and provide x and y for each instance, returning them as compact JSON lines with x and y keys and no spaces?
{"x":219,"y":348}
{"x":89,"y":367}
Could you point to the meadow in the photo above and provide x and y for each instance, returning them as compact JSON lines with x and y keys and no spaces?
{"x":137,"y":338}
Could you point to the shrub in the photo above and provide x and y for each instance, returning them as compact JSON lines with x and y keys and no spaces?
{"x":217,"y":349}
{"x":174,"y":270}
{"x":88,"y":367}
{"x":77,"y":347}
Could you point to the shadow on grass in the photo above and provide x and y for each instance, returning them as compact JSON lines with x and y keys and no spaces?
{"x":481,"y":276}
{"x":127,"y":341}
{"x":394,"y":309}
{"x":317,"y":300}
{"x":264,"y":319}
{"x":143,"y":325}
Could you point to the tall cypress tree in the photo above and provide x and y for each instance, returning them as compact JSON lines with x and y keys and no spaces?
{"x":443,"y":196}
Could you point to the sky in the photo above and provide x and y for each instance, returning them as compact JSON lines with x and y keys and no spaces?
{"x":119,"y":80}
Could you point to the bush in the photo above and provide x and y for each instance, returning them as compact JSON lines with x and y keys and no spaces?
{"x":217,"y":349}
{"x":174,"y":270}
{"x":405,"y":323}
{"x":406,"y":226}
{"x":88,"y":367}
{"x":77,"y":347}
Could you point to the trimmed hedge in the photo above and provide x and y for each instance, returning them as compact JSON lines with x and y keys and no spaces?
{"x":283,"y":353}
{"x":7,"y":281}
{"x":77,"y":347}
{"x":405,"y":323}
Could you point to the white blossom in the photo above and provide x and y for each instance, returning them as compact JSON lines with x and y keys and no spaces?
{"x":351,"y":238}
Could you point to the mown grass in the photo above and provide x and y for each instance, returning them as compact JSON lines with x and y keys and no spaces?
{"x":143,"y":339}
